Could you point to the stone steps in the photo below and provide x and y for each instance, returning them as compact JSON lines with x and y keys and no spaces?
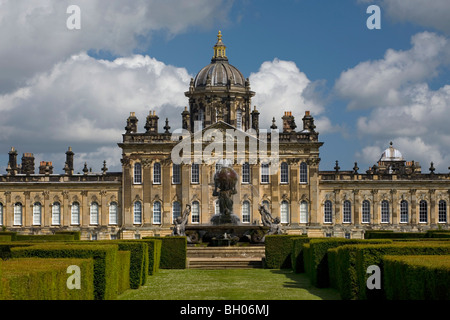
{"x":225,"y":257}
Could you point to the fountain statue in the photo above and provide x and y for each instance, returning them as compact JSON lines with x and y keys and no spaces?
{"x":225,"y":187}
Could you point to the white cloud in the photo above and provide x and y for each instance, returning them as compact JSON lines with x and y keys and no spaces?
{"x":35,"y":36}
{"x":426,"y":13}
{"x":382,"y":82}
{"x":281,"y":86}
{"x":84,"y":103}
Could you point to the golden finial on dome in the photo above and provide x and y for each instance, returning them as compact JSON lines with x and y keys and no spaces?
{"x":219,"y":48}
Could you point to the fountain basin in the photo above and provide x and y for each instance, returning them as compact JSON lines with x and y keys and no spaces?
{"x":226,"y":234}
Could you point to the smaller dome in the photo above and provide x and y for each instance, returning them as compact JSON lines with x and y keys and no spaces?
{"x":391,"y":154}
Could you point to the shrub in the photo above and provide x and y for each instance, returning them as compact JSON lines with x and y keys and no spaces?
{"x":417,"y":277}
{"x":173,"y":252}
{"x":319,"y":271}
{"x":372,"y":255}
{"x":393,"y":235}
{"x":105,"y":262}
{"x":9,"y":233}
{"x":297,"y":255}
{"x":154,"y":254}
{"x":123,"y":271}
{"x":5,"y":238}
{"x":76,"y":234}
{"x":45,"y":237}
{"x":45,"y":279}
{"x":278,"y":251}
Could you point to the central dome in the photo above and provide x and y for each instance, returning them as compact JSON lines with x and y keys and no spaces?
{"x":219,"y":72}
{"x":391,"y":154}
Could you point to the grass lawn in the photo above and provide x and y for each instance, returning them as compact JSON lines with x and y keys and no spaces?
{"x":231,"y":284}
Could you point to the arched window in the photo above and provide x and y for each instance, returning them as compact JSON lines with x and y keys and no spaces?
{"x":113,"y":217}
{"x":1,"y":214}
{"x":327,"y":212}
{"x":176,"y":210}
{"x":403,"y":211}
{"x":366,"y":211}
{"x":176,"y":174}
{"x":284,"y":174}
{"x":56,"y":214}
{"x":239,"y":119}
{"x":137,"y":173}
{"x":18,"y":214}
{"x":93,"y":213}
{"x":246,"y":173}
{"x":303,"y":212}
{"x":385,"y":211}
{"x":347,"y":212}
{"x":75,"y":213}
{"x":137,"y":213}
{"x":246,"y":211}
{"x":284,"y":212}
{"x":423,"y":211}
{"x":157,"y":173}
{"x":442,"y":213}
{"x":195,"y":212}
{"x":303,"y":172}
{"x":37,"y":208}
{"x":156,"y":212}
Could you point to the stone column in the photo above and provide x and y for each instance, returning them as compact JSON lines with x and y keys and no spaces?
{"x":395,"y":204}
{"x":433,"y":215}
{"x":414,"y":219}
{"x":356,"y":207}
{"x":375,"y":214}
{"x":337,"y":207}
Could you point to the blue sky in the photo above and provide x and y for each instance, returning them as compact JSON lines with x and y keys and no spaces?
{"x":364,"y":87}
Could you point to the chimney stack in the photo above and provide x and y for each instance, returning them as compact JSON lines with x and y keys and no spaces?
{"x":46,"y":168}
{"x":151,"y":124}
{"x":288,"y":122}
{"x":12,"y":164}
{"x":68,"y":167}
{"x":131,"y":123}
{"x":28,"y":163}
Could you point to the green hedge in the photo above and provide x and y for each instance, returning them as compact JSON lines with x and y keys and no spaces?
{"x":105,"y":262}
{"x":123,"y":271}
{"x":45,"y":279}
{"x":12,"y":234}
{"x":318,"y":269}
{"x":393,"y":235}
{"x":278,"y":251}
{"x":372,"y":255}
{"x":76,"y":234}
{"x":5,"y":238}
{"x":173,"y":252}
{"x":417,"y":277}
{"x":154,"y":254}
{"x":45,"y":237}
{"x":297,"y":255}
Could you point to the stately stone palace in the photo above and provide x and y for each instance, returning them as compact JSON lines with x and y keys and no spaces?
{"x":153,"y":189}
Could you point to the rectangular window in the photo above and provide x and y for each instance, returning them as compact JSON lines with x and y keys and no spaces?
{"x":442,"y":216}
{"x":37,"y":214}
{"x":56,"y":214}
{"x":176,"y":174}
{"x":195,"y":173}
{"x":303,"y":172}
{"x":18,"y":214}
{"x":246,"y":212}
{"x":385,"y":212}
{"x":1,"y":214}
{"x":327,"y":212}
{"x":113,"y":213}
{"x":137,"y":213}
{"x":137,"y":173}
{"x":246,"y":173}
{"x":157,"y":173}
{"x":403,"y":211}
{"x":347,"y":215}
{"x":423,"y":212}
{"x":304,"y":212}
{"x":366,"y":211}
{"x":264,"y":173}
{"x":157,"y":212}
{"x":195,"y":212}
{"x":75,"y":214}
{"x":94,"y":213}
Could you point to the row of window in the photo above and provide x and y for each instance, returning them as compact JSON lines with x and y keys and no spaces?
{"x":56,"y":213}
{"x":195,"y":173}
{"x":385,"y":211}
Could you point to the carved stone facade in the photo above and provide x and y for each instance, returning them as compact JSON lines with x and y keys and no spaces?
{"x":282,"y":174}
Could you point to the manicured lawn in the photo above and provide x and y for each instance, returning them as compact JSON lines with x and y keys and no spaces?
{"x":233,"y":284}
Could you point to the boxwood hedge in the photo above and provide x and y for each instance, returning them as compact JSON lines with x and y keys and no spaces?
{"x":173,"y":252}
{"x":105,"y":262}
{"x":417,"y":277}
{"x":123,"y":271}
{"x":278,"y":251}
{"x":367,"y":255}
{"x":45,"y":279}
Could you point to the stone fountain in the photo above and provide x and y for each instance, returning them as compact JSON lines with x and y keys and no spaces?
{"x":225,"y":228}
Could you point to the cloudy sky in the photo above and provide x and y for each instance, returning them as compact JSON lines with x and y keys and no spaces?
{"x":62,"y":87}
